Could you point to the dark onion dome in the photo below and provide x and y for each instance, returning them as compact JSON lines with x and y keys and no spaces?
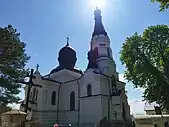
{"x":67,"y":59}
{"x":98,"y":28}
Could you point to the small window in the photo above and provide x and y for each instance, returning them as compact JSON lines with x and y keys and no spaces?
{"x":113,"y":82}
{"x":45,"y":96}
{"x":72,"y":101}
{"x":108,"y":52}
{"x":89,"y":90}
{"x":96,"y":52}
{"x":53,"y":100}
{"x":36,"y":95}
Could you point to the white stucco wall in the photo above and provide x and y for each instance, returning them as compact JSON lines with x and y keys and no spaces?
{"x":100,"y":39}
{"x":89,"y":78}
{"x":90,"y":109}
{"x":65,"y":114}
{"x":104,"y":104}
{"x":65,"y":91}
{"x":105,"y":83}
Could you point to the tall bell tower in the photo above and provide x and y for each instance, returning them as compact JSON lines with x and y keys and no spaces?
{"x":100,"y":55}
{"x":102,"y":95}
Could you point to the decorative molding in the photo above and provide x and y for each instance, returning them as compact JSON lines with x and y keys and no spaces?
{"x":94,"y":95}
{"x":54,"y":110}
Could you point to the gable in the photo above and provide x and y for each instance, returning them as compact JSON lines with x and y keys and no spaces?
{"x":63,"y":75}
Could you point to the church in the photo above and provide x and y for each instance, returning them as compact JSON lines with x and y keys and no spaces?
{"x":71,"y":96}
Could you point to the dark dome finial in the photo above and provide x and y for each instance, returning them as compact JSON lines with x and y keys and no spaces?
{"x":98,"y":28}
{"x":37,"y":69}
{"x":67,"y":44}
{"x":96,"y":7}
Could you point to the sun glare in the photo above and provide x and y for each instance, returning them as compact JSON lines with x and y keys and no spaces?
{"x":97,"y":3}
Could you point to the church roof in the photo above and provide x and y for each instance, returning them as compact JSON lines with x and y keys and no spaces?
{"x":98,"y":28}
{"x":59,"y":68}
{"x":48,"y":79}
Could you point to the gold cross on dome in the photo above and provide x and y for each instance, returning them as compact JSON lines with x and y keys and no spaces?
{"x":37,"y":67}
{"x":67,"y":38}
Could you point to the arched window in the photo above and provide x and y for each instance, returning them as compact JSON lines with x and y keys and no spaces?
{"x":108,"y":52}
{"x":113,"y":83}
{"x":53,"y":100}
{"x":89,"y":90}
{"x":34,"y":94}
{"x":45,"y":96}
{"x":72,"y":101}
{"x":166,"y":124}
{"x":94,"y":54}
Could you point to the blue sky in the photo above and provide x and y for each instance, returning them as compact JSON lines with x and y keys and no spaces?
{"x":45,"y":24}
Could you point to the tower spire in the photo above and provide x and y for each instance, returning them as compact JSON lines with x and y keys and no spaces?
{"x":37,"y":69}
{"x":98,"y":28}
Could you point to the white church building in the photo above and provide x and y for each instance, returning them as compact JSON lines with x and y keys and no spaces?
{"x":70,"y":96}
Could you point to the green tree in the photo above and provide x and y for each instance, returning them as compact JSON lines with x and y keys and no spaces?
{"x":146,"y":58}
{"x":13,"y":60}
{"x":164,"y":4}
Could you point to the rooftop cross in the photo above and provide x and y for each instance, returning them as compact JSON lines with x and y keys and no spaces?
{"x":37,"y":67}
{"x":96,"y":6}
{"x":67,"y":38}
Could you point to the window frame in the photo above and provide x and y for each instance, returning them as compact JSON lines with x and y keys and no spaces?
{"x":89,"y":90}
{"x":53,"y":99}
{"x":72,"y":101}
{"x":36,"y":97}
{"x":34,"y":94}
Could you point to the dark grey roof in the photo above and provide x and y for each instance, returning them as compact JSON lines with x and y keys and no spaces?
{"x":60,"y":68}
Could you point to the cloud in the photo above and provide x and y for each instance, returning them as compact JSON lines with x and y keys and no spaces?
{"x":150,"y":106}
{"x":140,"y":89}
{"x":14,"y":106}
{"x":137,"y":106}
{"x":122,"y":78}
